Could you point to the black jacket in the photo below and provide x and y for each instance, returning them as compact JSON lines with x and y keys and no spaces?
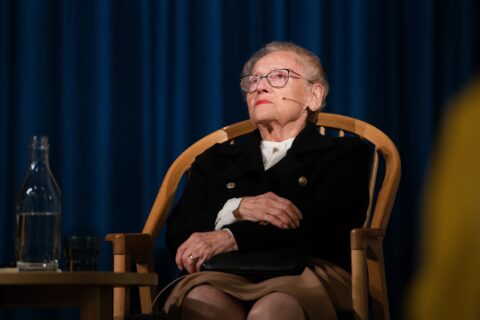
{"x":333,"y":200}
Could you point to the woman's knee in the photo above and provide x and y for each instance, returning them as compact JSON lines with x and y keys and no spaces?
{"x":204,"y":292}
{"x":208,"y":302}
{"x":276,"y":305}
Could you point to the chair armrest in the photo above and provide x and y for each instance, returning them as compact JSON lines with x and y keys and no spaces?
{"x":137,"y":245}
{"x":361,"y":238}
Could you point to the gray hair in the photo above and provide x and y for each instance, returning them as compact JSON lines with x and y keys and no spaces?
{"x":314,"y":68}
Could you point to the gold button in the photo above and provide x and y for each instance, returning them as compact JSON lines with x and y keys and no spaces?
{"x":231,"y":185}
{"x":302,"y":181}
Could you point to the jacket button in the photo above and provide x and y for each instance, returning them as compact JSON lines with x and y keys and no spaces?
{"x":231,"y":185}
{"x":302,"y":181}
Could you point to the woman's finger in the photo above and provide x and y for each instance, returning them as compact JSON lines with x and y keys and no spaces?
{"x":179,"y":257}
{"x":274,"y":220}
{"x":191,"y":264}
{"x":285,"y":214}
{"x":275,"y":214}
{"x":200,"y":262}
{"x":288,"y":208}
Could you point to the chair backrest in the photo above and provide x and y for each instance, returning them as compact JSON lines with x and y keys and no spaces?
{"x":381,"y":204}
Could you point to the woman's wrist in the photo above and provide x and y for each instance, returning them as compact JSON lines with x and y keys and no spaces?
{"x":230,"y":241}
{"x":236,"y":212}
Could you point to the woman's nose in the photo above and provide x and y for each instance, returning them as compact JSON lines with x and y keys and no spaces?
{"x":263,"y":85}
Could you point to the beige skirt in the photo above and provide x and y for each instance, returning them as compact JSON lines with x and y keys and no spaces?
{"x":321,"y":289}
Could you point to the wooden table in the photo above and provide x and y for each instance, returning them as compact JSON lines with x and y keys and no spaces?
{"x":91,"y":291}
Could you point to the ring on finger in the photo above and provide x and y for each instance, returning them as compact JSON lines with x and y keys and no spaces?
{"x":191,"y":257}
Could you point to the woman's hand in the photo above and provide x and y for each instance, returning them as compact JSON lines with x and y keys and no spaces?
{"x":269,"y":208}
{"x":201,"y":246}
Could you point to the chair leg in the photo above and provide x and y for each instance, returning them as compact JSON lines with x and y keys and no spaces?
{"x":359,"y":284}
{"x":378,"y":283}
{"x":121,"y":295}
{"x":147,"y":294}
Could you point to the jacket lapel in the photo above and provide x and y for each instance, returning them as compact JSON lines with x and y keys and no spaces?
{"x":247,"y":157}
{"x":308,"y":141}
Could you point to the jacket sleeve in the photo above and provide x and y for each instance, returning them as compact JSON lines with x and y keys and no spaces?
{"x":185,"y":217}
{"x":203,"y":197}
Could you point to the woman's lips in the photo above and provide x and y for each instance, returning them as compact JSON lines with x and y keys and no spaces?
{"x":264,"y":101}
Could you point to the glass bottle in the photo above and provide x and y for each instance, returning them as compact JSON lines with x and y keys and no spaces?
{"x":38,"y":209}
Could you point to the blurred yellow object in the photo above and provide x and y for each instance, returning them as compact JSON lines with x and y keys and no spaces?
{"x":447,"y":285}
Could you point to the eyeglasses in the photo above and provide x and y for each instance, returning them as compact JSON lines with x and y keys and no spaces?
{"x":276,"y":78}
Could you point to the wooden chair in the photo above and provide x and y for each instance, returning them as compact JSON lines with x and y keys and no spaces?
{"x":368,"y":271}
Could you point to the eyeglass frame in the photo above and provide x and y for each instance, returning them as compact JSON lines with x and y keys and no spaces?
{"x":299,"y":76}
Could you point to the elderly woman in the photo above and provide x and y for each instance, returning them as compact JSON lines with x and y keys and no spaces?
{"x":285,"y":184}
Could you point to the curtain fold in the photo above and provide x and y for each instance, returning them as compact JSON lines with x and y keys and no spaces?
{"x":123,"y":87}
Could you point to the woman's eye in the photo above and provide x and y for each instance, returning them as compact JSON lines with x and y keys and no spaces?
{"x":278,"y":76}
{"x":253,"y":80}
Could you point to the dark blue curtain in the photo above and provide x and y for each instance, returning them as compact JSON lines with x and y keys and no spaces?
{"x":122,"y":87}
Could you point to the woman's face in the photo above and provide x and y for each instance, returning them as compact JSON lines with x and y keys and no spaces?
{"x":270,"y":106}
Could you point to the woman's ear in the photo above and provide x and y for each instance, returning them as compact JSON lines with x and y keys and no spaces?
{"x":317,"y":96}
